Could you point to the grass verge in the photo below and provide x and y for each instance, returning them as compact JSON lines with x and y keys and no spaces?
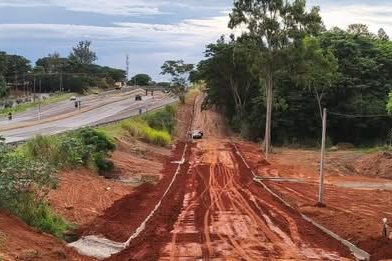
{"x":155,"y":127}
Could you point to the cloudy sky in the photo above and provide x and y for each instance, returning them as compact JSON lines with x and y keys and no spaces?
{"x":150,"y":31}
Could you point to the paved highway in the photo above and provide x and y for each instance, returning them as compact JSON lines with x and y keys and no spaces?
{"x":62,"y":117}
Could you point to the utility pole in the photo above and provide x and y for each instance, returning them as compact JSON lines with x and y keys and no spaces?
{"x":34,"y":93}
{"x":322,"y":160}
{"x":61,"y":82}
{"x":39,"y":101}
{"x":127,"y":62}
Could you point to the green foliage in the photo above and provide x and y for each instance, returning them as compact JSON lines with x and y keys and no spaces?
{"x":139,"y":129}
{"x":179,"y":71}
{"x":97,"y":140}
{"x":103,"y":165}
{"x":344,"y":72}
{"x":82,"y":54}
{"x":71,"y":150}
{"x":24,"y":184}
{"x":140,"y":79}
{"x":389,"y":104}
{"x":3,"y":88}
{"x":275,"y":28}
{"x":37,"y":214}
{"x":163,"y":119}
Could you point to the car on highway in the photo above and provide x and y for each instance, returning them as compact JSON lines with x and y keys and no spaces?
{"x":197,"y":134}
{"x":138,"y":98}
{"x":72,"y":98}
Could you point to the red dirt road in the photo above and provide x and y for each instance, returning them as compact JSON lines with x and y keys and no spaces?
{"x":216,"y":211}
{"x":223,"y":214}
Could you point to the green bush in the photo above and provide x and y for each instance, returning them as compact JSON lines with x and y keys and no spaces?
{"x":72,"y":152}
{"x":103,"y":165}
{"x":139,"y":129}
{"x":97,"y":140}
{"x":41,"y":147}
{"x":163,"y":119}
{"x":36,"y":214}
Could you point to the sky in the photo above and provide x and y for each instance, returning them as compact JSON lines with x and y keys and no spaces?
{"x":149,"y":31}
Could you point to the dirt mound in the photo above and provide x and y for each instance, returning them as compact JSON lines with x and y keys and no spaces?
{"x":20,"y":242}
{"x":376,"y":165}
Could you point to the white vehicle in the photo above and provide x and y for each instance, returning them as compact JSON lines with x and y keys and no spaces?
{"x":197,"y":134}
{"x":73,"y":98}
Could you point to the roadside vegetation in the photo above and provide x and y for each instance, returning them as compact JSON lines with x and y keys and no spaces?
{"x":156,"y":127}
{"x":275,"y":79}
{"x":29,"y":172}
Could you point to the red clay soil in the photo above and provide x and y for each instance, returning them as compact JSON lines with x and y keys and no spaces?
{"x":20,"y":242}
{"x":83,"y":195}
{"x":122,"y":219}
{"x":354,"y":214}
{"x":126,"y":214}
{"x":376,"y":165}
{"x":215,"y":210}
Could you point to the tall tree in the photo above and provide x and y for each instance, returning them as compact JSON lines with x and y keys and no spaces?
{"x":82,"y":54}
{"x":274,"y":26}
{"x":382,"y":35}
{"x":315,"y":68}
{"x":359,"y":30}
{"x":3,"y":88}
{"x":141,"y":79}
{"x":179,"y":71}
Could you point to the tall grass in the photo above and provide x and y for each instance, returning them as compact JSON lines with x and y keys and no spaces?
{"x":37,"y":214}
{"x":140,"y":129}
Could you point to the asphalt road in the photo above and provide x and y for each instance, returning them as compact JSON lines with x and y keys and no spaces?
{"x":62,"y":117}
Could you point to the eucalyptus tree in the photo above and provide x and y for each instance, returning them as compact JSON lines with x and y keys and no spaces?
{"x":274,"y":25}
{"x":179,"y":71}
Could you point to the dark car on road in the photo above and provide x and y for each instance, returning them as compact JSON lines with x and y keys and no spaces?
{"x":138,"y":98}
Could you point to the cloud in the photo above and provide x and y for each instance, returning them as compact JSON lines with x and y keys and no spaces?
{"x":114,"y":7}
{"x":375,"y":15}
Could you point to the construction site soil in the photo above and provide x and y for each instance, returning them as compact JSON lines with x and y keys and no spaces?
{"x":214,"y":209}
{"x":356,"y":204}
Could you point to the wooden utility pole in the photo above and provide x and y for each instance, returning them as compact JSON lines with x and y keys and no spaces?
{"x":322,"y":160}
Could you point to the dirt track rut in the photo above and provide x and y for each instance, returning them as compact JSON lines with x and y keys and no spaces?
{"x":226,"y":216}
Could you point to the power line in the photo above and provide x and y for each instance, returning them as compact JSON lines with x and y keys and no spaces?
{"x":360,"y":116}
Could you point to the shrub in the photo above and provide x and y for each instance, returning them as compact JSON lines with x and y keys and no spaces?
{"x":37,"y":214}
{"x":41,"y":147}
{"x":103,"y":165}
{"x":97,"y":140}
{"x":163,"y":119}
{"x":72,"y":152}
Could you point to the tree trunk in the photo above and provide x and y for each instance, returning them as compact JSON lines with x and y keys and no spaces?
{"x":268,"y":123}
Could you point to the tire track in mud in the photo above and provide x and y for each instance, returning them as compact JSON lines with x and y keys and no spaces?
{"x":218,"y":212}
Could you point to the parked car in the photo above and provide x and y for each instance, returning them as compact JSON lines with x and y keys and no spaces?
{"x":73,"y":98}
{"x":197,"y":134}
{"x":138,"y":98}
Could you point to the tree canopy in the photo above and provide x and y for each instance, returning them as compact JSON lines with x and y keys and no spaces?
{"x":82,"y":54}
{"x":274,"y":26}
{"x":345,"y":72}
{"x":141,"y":79}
